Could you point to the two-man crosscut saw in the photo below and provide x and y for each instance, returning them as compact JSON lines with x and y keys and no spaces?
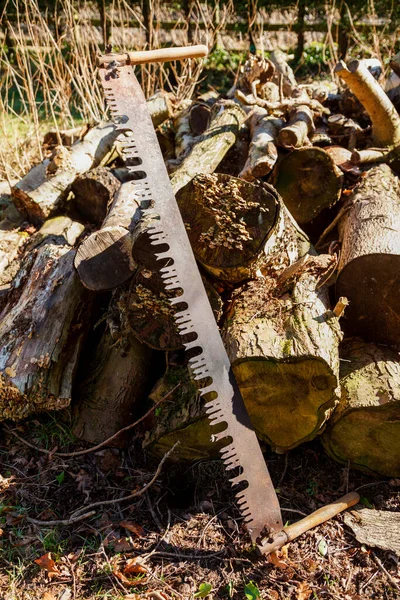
{"x":209,"y":362}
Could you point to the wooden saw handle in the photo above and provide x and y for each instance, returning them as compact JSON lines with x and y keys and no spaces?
{"x":151,"y":56}
{"x":321,"y":515}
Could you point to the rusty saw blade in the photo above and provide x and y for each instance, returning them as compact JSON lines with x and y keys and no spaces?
{"x":224,"y":405}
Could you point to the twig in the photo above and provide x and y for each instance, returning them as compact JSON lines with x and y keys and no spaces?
{"x":383,"y":568}
{"x":98,"y":446}
{"x":367,"y":485}
{"x":75,"y":517}
{"x":134,"y":494}
{"x":64,"y":522}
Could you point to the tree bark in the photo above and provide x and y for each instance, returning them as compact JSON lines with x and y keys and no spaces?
{"x":282,"y":341}
{"x":365,"y":428}
{"x":231,"y":224}
{"x":308,"y":181}
{"x":93,"y":194}
{"x":41,"y":332}
{"x":384,"y":117}
{"x":369,"y":267}
{"x":40,"y":192}
{"x":111,"y":383}
{"x":263,"y":153}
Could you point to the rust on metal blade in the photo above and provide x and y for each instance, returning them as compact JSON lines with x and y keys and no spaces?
{"x":210,"y":365}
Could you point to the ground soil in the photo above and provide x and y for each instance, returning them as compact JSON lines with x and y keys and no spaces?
{"x":185,"y":531}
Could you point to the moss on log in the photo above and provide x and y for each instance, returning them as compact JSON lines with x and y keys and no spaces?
{"x":365,"y":428}
{"x":282,"y":340}
{"x":145,"y":310}
{"x":181,"y":418}
{"x":369,"y":267}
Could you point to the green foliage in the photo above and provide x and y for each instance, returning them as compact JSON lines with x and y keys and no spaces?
{"x":251,"y":591}
{"x":204,"y":590}
{"x":60,"y":477}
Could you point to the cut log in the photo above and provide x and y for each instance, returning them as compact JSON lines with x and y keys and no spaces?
{"x":282,"y":340}
{"x":183,"y":418}
{"x":308,"y":181}
{"x":210,"y":148}
{"x":40,"y":192}
{"x":111,"y":383}
{"x":41,"y":332}
{"x":384,"y":117}
{"x":369,"y":267}
{"x":146,"y":312}
{"x":263,"y":153}
{"x":364,"y":431}
{"x":231,"y":224}
{"x":93,"y":194}
{"x":295,"y":133}
{"x":104,"y":260}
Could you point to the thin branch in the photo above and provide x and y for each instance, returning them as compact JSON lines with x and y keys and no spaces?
{"x":98,"y":446}
{"x":75,"y":517}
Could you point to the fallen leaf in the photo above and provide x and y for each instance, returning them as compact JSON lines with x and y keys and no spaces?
{"x":48,"y":596}
{"x":136,"y":581}
{"x":133,"y":528}
{"x":251,"y":591}
{"x":47,"y":563}
{"x":323,"y":547}
{"x":303,"y":591}
{"x":204,"y":590}
{"x":121,"y":545}
{"x":133,"y":566}
{"x":276,"y":559}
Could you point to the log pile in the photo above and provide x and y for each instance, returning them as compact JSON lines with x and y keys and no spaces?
{"x":291,"y":201}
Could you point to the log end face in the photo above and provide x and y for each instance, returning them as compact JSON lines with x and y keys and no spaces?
{"x":104,"y":259}
{"x":368,"y":439}
{"x":288,"y":401}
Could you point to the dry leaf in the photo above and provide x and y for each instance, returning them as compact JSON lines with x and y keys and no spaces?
{"x":126,"y":581}
{"x":303,"y":591}
{"x":122,"y":545}
{"x":276,"y":559}
{"x":47,"y":563}
{"x":48,"y":596}
{"x":134,"y":566}
{"x":133,"y":528}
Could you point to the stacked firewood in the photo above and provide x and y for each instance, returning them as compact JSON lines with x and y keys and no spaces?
{"x":291,"y":199}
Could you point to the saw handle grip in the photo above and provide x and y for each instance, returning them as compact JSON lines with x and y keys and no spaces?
{"x":151,"y":56}
{"x":279,"y":539}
